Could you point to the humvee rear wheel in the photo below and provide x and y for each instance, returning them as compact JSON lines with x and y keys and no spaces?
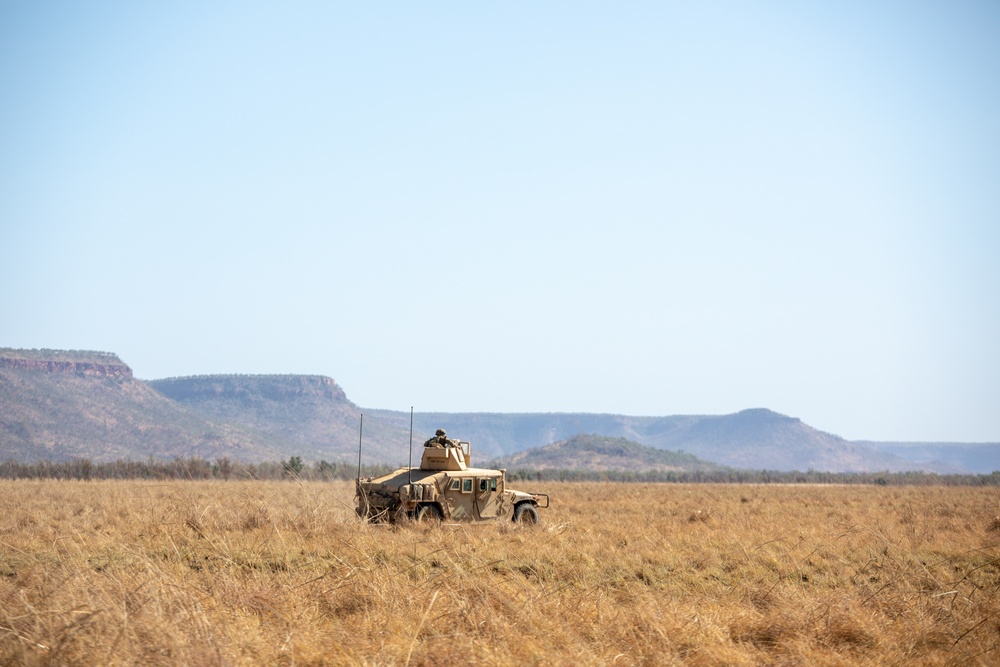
{"x":427,"y":514}
{"x":525,"y":513}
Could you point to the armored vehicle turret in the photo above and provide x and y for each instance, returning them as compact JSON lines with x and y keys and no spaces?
{"x":446,"y":488}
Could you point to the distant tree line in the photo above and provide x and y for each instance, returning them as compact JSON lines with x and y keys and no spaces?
{"x":187,"y":468}
{"x":295,"y":468}
{"x":754,"y":477}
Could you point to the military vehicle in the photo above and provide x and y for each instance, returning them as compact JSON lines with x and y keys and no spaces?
{"x":445,"y":488}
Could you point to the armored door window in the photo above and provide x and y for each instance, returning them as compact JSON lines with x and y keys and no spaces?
{"x":484,"y":485}
{"x":493,"y":484}
{"x":467,"y":486}
{"x":456,"y":484}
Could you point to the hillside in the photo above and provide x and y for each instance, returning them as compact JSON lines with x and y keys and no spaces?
{"x":754,"y":439}
{"x":68,"y":404}
{"x":602,"y":453}
{"x":785,"y":443}
{"x":302,"y":415}
{"x":59,"y":405}
{"x":955,"y":456}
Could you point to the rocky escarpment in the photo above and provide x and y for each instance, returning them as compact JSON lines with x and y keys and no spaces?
{"x":201,"y":388}
{"x":310,"y":414}
{"x":59,"y":405}
{"x":89,"y":364}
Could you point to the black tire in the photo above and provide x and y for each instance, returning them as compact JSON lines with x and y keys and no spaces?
{"x":526,"y":513}
{"x":427,"y":514}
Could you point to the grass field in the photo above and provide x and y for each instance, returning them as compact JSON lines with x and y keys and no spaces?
{"x":282,"y":573}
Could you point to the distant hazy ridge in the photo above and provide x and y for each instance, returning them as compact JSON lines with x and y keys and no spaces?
{"x":59,"y":405}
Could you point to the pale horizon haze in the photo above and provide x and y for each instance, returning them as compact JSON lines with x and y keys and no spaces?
{"x":639,"y":208}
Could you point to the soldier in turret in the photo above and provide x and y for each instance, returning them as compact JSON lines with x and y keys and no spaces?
{"x":440,"y":439}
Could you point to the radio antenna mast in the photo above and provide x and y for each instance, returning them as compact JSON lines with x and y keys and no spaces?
{"x":357,"y":485}
{"x":409,"y":468}
{"x":361,"y":430}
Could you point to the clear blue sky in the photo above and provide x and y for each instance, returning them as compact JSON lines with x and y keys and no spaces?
{"x":635,"y":208}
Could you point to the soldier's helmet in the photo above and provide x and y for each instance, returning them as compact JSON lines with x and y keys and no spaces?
{"x":440,"y":432}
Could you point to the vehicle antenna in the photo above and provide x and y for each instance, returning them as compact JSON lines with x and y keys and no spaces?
{"x":361,"y":430}
{"x":409,"y":467}
{"x":357,"y":485}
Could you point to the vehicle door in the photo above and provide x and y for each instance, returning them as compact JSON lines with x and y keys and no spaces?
{"x":487,"y":497}
{"x":461,"y":495}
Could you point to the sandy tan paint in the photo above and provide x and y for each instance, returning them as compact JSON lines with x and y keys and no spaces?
{"x":445,"y":487}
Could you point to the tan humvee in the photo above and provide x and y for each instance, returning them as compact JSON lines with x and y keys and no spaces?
{"x":444,"y":487}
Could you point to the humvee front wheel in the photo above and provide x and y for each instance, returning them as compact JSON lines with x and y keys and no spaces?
{"x":427,"y":514}
{"x":525,"y":513}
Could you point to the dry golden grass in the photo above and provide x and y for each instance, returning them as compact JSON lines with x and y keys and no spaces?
{"x":281,"y":573}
